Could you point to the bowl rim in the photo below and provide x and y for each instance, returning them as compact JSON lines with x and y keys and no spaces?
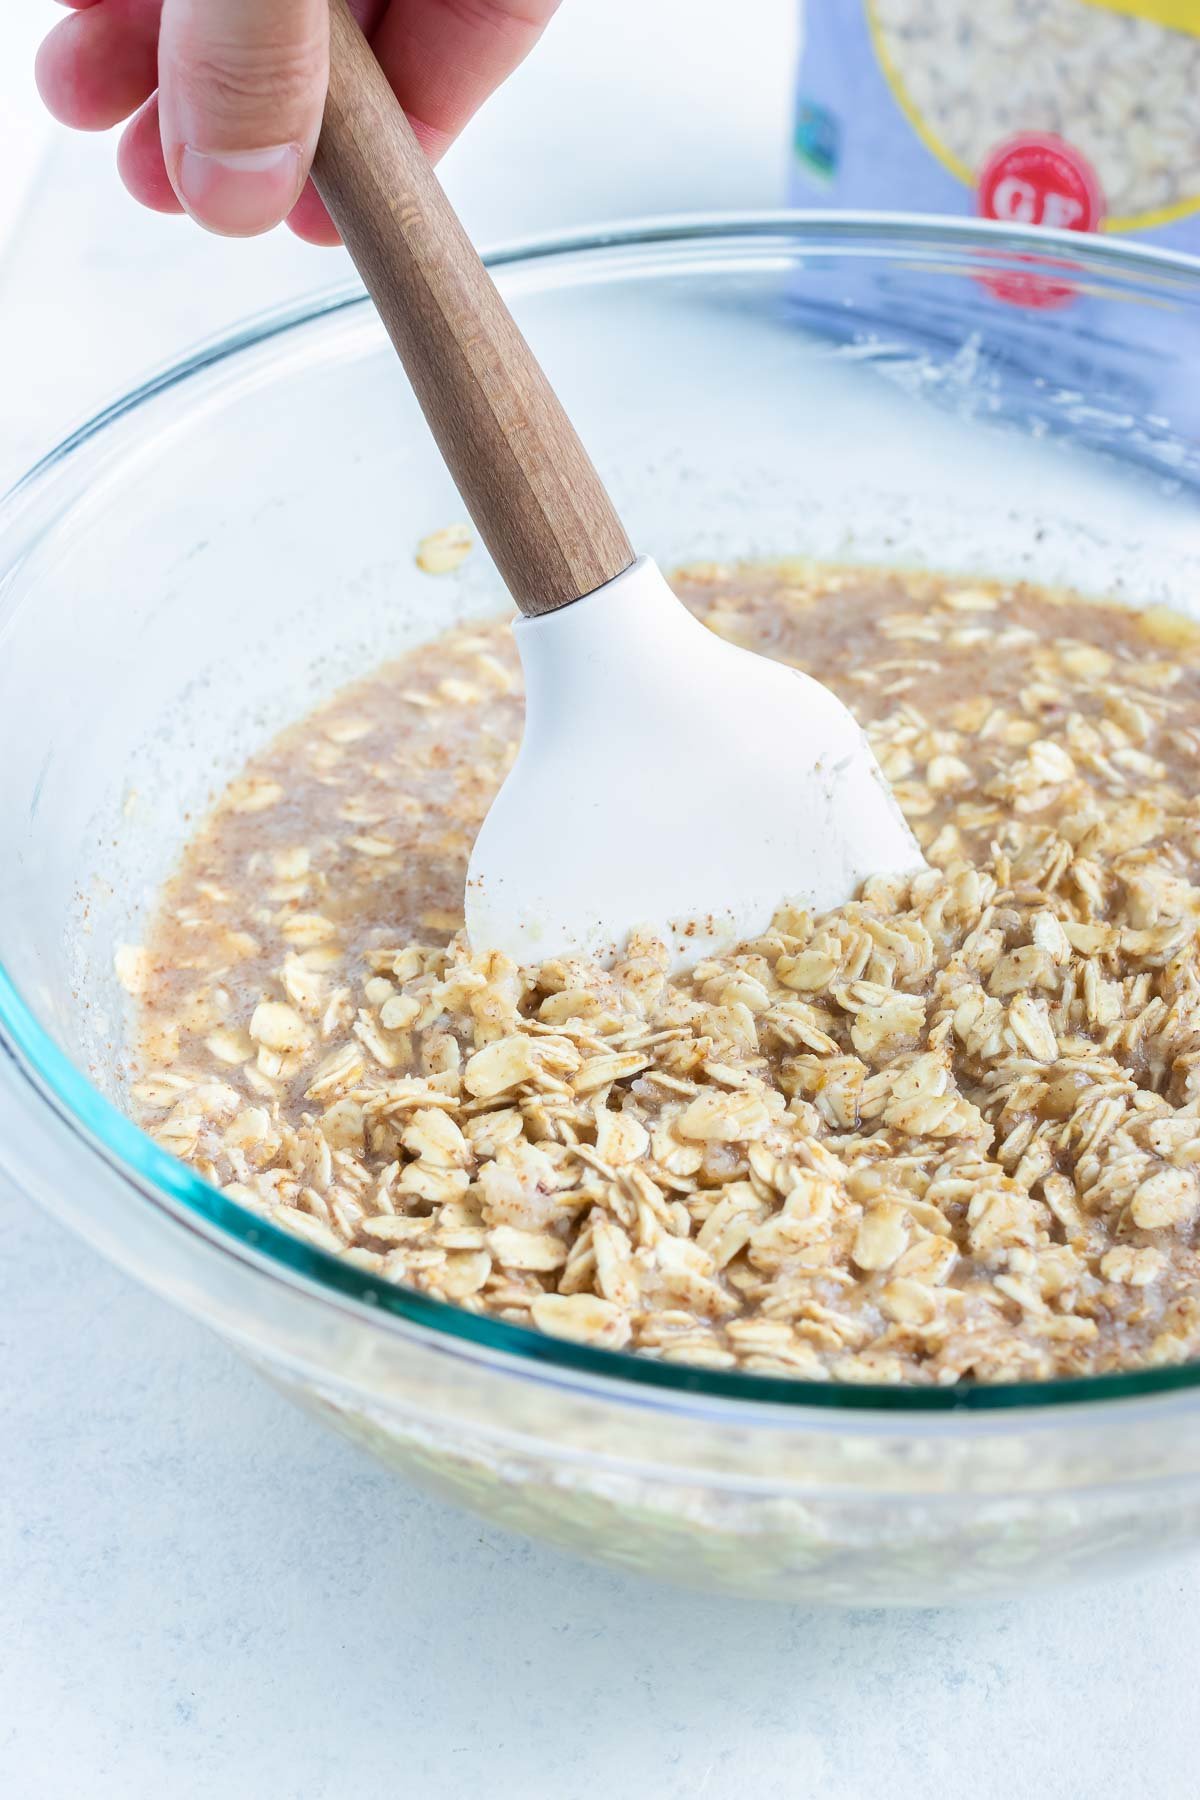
{"x":50,"y":1078}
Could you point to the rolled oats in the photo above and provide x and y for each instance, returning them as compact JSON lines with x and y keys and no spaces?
{"x":444,"y":550}
{"x":950,"y":1131}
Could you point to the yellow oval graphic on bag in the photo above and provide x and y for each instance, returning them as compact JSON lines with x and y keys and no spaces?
{"x":1114,"y":81}
{"x":1176,"y":15}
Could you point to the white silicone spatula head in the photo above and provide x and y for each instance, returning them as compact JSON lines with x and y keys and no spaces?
{"x":665,"y":779}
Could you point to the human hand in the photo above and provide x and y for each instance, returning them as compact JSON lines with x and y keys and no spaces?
{"x":224,"y":97}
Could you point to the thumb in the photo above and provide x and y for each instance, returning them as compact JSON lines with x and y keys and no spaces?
{"x":241,"y":88}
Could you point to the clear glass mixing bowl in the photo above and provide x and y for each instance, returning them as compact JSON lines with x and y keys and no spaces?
{"x":232,"y":541}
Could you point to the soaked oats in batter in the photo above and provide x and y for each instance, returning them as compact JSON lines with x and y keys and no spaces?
{"x":947,"y":1132}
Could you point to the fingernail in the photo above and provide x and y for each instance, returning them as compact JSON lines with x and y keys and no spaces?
{"x":239,"y":192}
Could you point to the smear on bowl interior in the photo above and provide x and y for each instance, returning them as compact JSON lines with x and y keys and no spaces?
{"x":947,"y":1132}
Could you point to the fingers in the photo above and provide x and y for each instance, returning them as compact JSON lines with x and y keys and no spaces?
{"x":241,"y":87}
{"x":308,"y":218}
{"x":99,"y":64}
{"x":444,"y":57}
{"x":230,"y":136}
{"x":310,"y":221}
{"x":140,"y":161}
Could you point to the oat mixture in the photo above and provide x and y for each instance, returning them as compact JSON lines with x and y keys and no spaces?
{"x":949,"y":1131}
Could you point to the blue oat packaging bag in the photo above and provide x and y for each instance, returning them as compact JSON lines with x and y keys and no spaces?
{"x":1083,"y":115}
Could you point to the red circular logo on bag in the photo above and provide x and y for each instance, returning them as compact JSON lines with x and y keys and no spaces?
{"x":1038,"y":179}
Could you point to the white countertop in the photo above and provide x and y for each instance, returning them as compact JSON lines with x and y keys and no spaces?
{"x":205,"y":1596}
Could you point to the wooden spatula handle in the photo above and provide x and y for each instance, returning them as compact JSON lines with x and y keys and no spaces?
{"x":528,"y":483}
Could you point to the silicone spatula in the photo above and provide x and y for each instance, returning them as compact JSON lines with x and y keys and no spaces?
{"x":665,"y":778}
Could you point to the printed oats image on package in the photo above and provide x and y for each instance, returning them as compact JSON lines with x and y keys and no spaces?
{"x":1067,"y":115}
{"x":1078,"y":114}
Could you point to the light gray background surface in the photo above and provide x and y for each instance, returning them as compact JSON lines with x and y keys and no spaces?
{"x":202,"y":1594}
